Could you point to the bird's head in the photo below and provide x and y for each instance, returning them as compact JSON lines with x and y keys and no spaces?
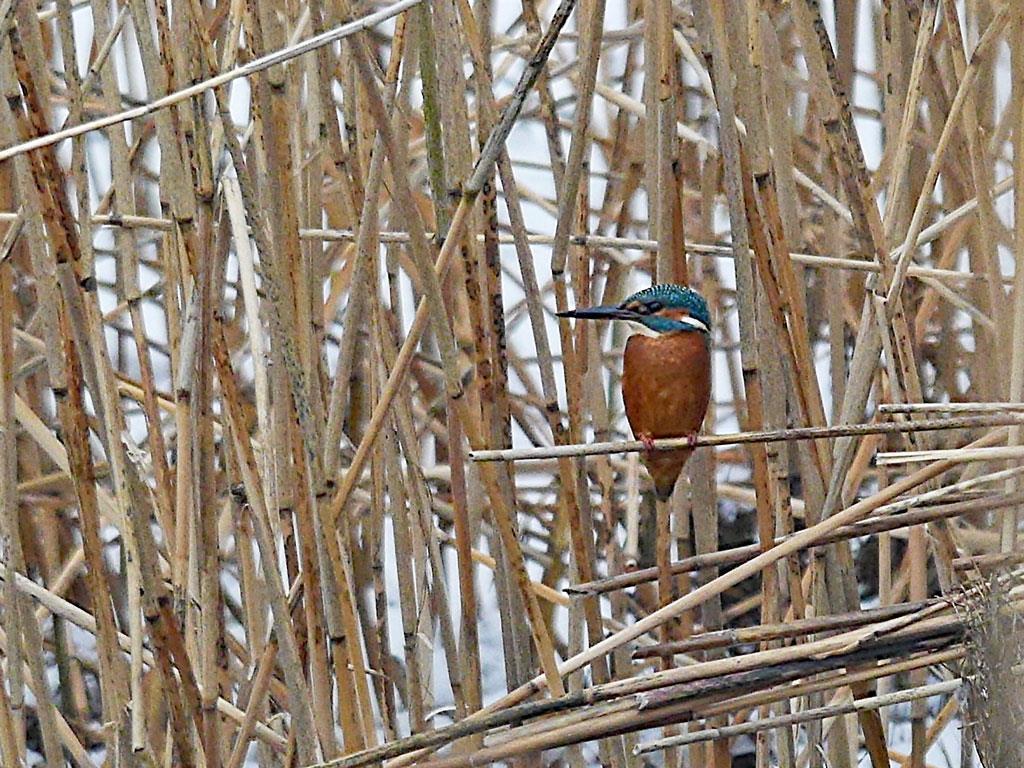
{"x":665,"y":308}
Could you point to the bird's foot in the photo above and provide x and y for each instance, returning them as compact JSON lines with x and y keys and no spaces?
{"x":691,"y":440}
{"x":647,"y":440}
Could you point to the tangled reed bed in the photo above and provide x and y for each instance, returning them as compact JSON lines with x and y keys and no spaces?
{"x":299,"y":468}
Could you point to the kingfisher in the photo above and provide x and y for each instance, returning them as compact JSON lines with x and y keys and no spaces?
{"x":666,"y":371}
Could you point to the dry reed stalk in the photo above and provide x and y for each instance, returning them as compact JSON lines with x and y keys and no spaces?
{"x":1011,"y":517}
{"x":760,"y":436}
{"x":574,"y":182}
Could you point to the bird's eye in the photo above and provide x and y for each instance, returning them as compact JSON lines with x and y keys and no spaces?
{"x":654,"y":306}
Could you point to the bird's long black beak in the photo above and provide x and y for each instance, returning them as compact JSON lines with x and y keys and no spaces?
{"x":606,"y":312}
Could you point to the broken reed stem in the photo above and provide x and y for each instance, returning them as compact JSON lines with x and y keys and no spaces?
{"x":764,"y":632}
{"x":819,"y":713}
{"x":740,"y":438}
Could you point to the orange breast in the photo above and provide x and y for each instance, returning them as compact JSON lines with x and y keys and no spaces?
{"x":666,"y":386}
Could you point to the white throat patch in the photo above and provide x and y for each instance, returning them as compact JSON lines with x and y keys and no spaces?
{"x":643,"y":330}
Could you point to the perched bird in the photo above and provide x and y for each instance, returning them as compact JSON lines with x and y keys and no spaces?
{"x":666,"y":371}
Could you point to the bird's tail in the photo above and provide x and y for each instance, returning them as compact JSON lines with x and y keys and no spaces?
{"x":665,"y":467}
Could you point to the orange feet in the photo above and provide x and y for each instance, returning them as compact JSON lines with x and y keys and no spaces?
{"x":648,"y":441}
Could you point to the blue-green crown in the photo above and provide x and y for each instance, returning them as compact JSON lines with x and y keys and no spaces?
{"x":674,"y":296}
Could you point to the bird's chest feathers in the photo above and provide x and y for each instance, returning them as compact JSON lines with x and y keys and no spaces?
{"x":664,"y":356}
{"x":666,"y":382}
